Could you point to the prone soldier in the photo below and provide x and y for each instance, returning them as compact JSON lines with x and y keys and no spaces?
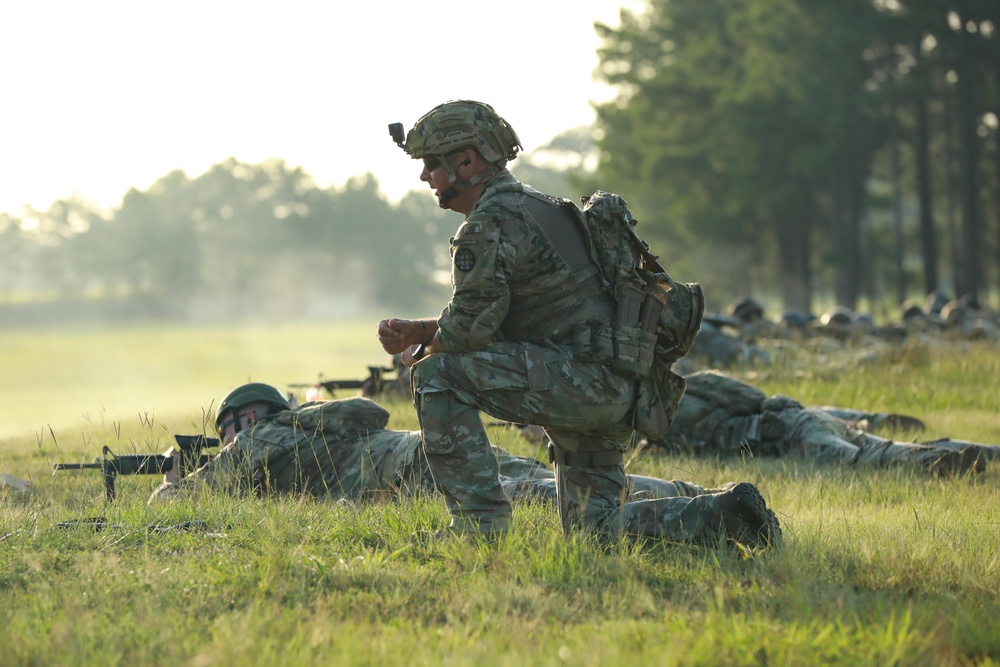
{"x":342,"y":450}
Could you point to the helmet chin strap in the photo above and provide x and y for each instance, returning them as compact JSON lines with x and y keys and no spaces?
{"x":457,"y":186}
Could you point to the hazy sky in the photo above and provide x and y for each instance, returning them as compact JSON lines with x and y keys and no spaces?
{"x":103,"y":95}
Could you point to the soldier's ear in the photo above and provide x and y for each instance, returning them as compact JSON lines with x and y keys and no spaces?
{"x":467,"y":157}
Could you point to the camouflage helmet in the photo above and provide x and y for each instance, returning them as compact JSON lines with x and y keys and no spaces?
{"x":841,"y":316}
{"x":746,"y":309}
{"x":254,"y":392}
{"x":462,"y":124}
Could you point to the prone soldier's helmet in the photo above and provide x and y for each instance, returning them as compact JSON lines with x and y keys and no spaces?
{"x":254,"y":392}
{"x":795,"y":320}
{"x":746,"y":309}
{"x":838,"y":316}
{"x":912,"y":311}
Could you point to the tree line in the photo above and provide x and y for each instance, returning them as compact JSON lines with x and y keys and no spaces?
{"x":237,"y":239}
{"x":240,"y":240}
{"x":847,"y":149}
{"x":843,"y":151}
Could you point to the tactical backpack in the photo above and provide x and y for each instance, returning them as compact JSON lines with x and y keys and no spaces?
{"x":657,"y":317}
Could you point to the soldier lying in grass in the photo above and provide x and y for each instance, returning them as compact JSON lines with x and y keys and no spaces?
{"x":720,"y":415}
{"x":342,"y":449}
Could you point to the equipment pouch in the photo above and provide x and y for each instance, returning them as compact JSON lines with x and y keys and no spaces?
{"x":657,"y":401}
{"x":628,"y":335}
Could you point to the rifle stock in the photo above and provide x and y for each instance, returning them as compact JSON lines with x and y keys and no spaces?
{"x":112,"y":465}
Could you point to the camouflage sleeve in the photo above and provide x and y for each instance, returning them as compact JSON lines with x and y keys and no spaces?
{"x":234,"y":467}
{"x":480,"y":297}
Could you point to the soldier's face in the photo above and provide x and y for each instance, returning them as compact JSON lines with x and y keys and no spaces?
{"x":434,"y":175}
{"x":228,"y":426}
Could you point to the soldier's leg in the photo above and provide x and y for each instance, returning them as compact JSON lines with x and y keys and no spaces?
{"x":525,"y":478}
{"x":517,"y":383}
{"x":878,"y":452}
{"x":462,"y":463}
{"x":650,"y":488}
{"x":590,"y":498}
{"x":985,"y":451}
{"x":738,"y":513}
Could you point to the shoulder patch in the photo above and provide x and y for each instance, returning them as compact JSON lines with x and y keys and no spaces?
{"x":465,"y":260}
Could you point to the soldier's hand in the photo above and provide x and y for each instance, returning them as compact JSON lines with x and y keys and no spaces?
{"x":396,"y":335}
{"x":392,"y":335}
{"x":173,"y":475}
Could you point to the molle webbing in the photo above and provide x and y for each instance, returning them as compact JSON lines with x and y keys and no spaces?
{"x":635,"y":330}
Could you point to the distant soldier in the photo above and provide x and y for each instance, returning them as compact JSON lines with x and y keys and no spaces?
{"x":722,"y":342}
{"x":342,"y":449}
{"x":720,"y":415}
{"x":746,"y":310}
{"x":966,"y":318}
{"x":796,"y":322}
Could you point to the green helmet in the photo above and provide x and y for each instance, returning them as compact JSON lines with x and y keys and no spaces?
{"x":456,"y":125}
{"x":252,"y":393}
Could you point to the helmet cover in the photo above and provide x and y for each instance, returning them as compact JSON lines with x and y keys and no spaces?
{"x":462,"y":124}
{"x":253,"y":392}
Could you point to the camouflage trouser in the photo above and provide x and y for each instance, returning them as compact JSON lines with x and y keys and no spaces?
{"x":582,"y":406}
{"x":527,"y":478}
{"x":593,"y":498}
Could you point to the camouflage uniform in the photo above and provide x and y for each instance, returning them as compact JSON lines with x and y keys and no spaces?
{"x":525,"y":294}
{"x":341,"y":449}
{"x":721,"y":415}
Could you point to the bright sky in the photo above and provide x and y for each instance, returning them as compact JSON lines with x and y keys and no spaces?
{"x":104,"y":95}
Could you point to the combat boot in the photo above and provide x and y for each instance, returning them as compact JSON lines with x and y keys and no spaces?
{"x":954,"y":463}
{"x":746,"y":518}
{"x":937,"y":460}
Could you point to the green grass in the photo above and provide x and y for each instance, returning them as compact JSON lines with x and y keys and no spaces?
{"x":878,"y":567}
{"x":63,"y":377}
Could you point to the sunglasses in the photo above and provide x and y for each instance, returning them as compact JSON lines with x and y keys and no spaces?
{"x":432,"y":162}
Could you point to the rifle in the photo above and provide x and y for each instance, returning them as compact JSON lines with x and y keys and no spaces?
{"x":370,"y":386}
{"x":112,"y":465}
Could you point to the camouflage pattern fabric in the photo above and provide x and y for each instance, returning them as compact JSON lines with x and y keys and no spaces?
{"x":591,"y":499}
{"x":522,"y":273}
{"x":599,"y":498}
{"x":340,"y":449}
{"x":513,"y":335}
{"x":331,"y":448}
{"x":721,"y":415}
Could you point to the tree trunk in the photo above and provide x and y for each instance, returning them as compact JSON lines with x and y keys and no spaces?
{"x":847,"y":196}
{"x":793,"y":259}
{"x":897,"y":210}
{"x":968,"y":168}
{"x":928,"y":237}
{"x":951,"y":195}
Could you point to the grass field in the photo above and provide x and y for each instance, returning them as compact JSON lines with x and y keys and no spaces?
{"x":64,"y":377}
{"x":878,"y":567}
